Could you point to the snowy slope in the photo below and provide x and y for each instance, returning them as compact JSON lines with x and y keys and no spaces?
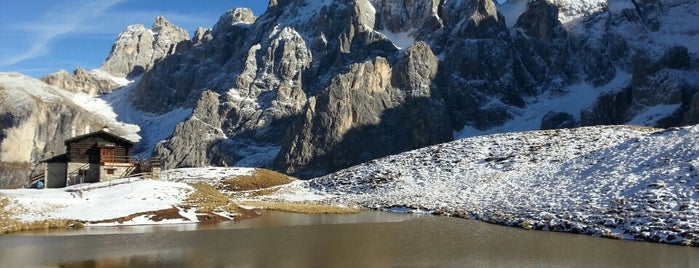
{"x":154,"y":128}
{"x":95,"y":202}
{"x":622,"y":182}
{"x":107,"y":201}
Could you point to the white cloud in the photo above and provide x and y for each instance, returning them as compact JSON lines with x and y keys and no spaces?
{"x":62,"y":18}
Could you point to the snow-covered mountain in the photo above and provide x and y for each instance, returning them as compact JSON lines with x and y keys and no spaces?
{"x":311,"y":87}
{"x":321,"y":85}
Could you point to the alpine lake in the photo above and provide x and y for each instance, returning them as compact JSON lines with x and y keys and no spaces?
{"x":367,"y":239}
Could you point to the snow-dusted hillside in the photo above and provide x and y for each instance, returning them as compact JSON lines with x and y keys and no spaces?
{"x":96,"y":202}
{"x":624,"y":182}
{"x":129,"y":201}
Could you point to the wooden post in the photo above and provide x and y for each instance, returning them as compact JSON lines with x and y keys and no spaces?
{"x":46,"y":175}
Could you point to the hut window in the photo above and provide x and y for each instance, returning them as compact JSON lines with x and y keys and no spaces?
{"x":107,"y":154}
{"x":110,"y":171}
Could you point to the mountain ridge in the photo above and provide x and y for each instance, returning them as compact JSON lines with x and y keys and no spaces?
{"x":311,"y":87}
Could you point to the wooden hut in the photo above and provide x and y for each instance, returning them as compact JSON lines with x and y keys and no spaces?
{"x":93,"y":157}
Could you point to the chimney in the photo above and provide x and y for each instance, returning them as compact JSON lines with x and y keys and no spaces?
{"x":87,"y":129}
{"x":105,"y":128}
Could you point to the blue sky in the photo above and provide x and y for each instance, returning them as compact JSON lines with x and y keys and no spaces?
{"x":38,"y":37}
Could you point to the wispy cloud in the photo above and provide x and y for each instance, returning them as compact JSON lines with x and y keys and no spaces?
{"x":63,"y":18}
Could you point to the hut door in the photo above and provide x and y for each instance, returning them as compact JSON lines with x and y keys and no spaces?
{"x":107,"y":154}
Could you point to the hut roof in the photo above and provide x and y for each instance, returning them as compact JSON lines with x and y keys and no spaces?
{"x":100,"y":133}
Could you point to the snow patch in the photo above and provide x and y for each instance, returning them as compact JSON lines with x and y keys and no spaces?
{"x":400,"y":40}
{"x":511,"y":10}
{"x":154,"y":128}
{"x":95,"y":202}
{"x":651,"y":115}
{"x":206,"y":173}
{"x":121,"y":81}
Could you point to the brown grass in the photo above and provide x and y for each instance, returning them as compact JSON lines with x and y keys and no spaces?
{"x":207,"y":199}
{"x":260,"y":179}
{"x":302,"y":207}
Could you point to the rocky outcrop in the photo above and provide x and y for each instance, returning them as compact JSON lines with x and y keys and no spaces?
{"x":541,"y":21}
{"x":193,"y":139}
{"x":417,"y":18}
{"x":81,"y":81}
{"x":138,"y":48}
{"x":372,"y":111}
{"x":609,"y":109}
{"x":231,"y":18}
{"x":477,"y":19}
{"x":647,"y":11}
{"x":692,"y":115}
{"x":665,"y":82}
{"x":558,"y":120}
{"x":201,"y":36}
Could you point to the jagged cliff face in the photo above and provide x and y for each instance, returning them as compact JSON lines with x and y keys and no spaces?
{"x":81,"y":81}
{"x":138,"y":48}
{"x":313,"y":86}
{"x":135,"y":51}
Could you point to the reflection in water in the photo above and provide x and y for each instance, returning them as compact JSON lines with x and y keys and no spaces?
{"x":431,"y":242}
{"x":267,"y":219}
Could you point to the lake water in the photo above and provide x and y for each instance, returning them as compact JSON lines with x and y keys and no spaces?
{"x":369,"y":239}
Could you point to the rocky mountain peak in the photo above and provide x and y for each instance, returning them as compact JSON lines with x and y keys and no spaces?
{"x":161,"y":23}
{"x":138,"y":48}
{"x":201,"y":36}
{"x":417,"y":17}
{"x":231,"y":18}
{"x":81,"y":80}
{"x":541,"y":20}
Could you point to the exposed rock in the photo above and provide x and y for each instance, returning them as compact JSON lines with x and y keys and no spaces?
{"x":658,"y":88}
{"x":648,"y":10}
{"x":230,"y":19}
{"x":419,"y":18}
{"x":557,"y":120}
{"x":692,"y":116}
{"x":81,"y":81}
{"x":477,"y":19}
{"x":137,"y":48}
{"x":202,"y":36}
{"x":677,"y":57}
{"x":540,"y":20}
{"x":660,"y":83}
{"x":371,"y":111}
{"x":193,"y":138}
{"x":609,"y":109}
